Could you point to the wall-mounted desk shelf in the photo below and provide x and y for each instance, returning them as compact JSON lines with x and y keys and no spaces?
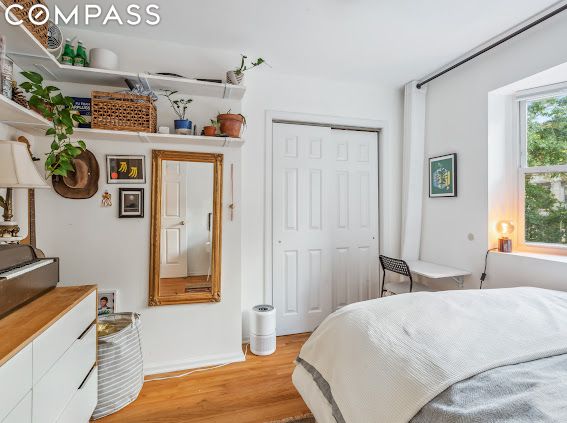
{"x":29,"y":54}
{"x":437,"y":271}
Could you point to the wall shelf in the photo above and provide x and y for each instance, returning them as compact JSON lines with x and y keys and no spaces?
{"x":26,"y":120}
{"x":29,"y":54}
{"x":11,"y":113}
{"x":144,"y":137}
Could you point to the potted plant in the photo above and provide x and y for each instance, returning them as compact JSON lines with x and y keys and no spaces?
{"x":236,"y":76}
{"x":211,"y":130}
{"x":179,"y":106}
{"x":231,"y":124}
{"x":59,"y":110}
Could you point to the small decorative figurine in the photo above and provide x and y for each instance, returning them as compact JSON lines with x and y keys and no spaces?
{"x":106,"y":199}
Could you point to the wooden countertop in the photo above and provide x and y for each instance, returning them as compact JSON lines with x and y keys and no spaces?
{"x":25,"y":324}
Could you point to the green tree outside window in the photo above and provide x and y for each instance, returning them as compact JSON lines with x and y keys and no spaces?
{"x":546,"y":192}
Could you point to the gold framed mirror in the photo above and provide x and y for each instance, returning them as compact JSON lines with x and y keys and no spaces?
{"x":186,"y":232}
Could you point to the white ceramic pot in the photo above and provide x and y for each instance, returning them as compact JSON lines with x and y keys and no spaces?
{"x":103,"y":58}
{"x":233,"y":78}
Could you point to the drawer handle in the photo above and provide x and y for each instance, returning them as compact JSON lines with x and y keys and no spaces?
{"x":82,"y":335}
{"x":87,"y":377}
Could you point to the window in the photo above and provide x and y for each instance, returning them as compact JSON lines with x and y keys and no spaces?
{"x":543,"y":170}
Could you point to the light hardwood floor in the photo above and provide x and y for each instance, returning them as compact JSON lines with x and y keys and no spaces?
{"x":258,"y":390}
{"x":176,"y":286}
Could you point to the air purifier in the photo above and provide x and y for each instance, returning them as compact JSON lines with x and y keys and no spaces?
{"x":263,"y":330}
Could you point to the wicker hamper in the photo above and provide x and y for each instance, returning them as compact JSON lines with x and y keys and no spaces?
{"x":38,"y":31}
{"x":120,"y":362}
{"x":123,"y":112}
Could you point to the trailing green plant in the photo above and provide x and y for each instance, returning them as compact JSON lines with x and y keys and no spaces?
{"x":179,"y":105}
{"x":215,"y":123}
{"x":58,"y":109}
{"x":244,"y":67}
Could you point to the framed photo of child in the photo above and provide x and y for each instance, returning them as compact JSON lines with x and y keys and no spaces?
{"x":106,"y":302}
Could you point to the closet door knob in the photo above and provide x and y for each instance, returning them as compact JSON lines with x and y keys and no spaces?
{"x":182,"y":223}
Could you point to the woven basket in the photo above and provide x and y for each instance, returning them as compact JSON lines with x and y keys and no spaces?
{"x":123,"y":112}
{"x":38,"y":31}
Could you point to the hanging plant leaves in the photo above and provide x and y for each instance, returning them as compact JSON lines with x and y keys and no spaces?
{"x":56,"y":108}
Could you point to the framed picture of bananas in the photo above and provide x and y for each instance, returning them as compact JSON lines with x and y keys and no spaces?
{"x":126,"y":169}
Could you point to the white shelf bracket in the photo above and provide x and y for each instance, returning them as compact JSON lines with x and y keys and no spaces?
{"x":226,"y":92}
{"x":460,"y":280}
{"x":144,"y":137}
{"x":144,"y":81}
{"x":226,"y":142}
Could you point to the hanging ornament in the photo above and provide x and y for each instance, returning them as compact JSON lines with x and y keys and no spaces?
{"x":106,"y":199}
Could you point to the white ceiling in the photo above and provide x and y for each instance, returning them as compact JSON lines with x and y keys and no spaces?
{"x":364,"y":40}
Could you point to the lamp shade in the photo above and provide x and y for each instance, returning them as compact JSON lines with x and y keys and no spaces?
{"x":505,"y":227}
{"x":16,"y":167}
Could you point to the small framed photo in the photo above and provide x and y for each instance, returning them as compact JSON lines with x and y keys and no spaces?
{"x":131,"y":202}
{"x":443,"y":176}
{"x":126,"y":169}
{"x":107,"y":302}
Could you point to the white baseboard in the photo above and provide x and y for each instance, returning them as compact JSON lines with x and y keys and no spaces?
{"x":194,"y":363}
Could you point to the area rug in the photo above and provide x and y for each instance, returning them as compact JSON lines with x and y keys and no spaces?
{"x":306,"y":418}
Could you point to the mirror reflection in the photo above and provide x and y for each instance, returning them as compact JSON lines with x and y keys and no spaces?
{"x":185,"y":249}
{"x":186,"y":227}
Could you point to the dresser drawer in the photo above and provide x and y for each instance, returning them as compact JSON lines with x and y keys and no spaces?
{"x":83,"y":403}
{"x":59,"y":337}
{"x":15,"y":380}
{"x":22,"y":413}
{"x":54,"y":391}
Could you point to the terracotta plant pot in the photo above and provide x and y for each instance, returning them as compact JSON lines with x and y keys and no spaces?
{"x":210,"y":131}
{"x":230,"y":124}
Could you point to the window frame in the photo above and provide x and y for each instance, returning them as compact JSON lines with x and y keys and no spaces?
{"x":523,"y":168}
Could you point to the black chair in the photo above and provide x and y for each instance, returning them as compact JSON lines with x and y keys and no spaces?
{"x":396,"y":266}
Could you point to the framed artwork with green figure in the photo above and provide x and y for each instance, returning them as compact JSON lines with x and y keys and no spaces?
{"x":443,"y":176}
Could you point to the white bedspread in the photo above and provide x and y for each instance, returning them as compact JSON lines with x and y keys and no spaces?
{"x":385,"y":359}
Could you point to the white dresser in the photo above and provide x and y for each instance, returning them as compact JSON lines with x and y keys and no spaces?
{"x":48,"y":370}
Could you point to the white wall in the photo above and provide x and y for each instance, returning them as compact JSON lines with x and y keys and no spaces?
{"x":95,"y":246}
{"x":458,"y":121}
{"x":268,"y":90}
{"x":200,"y":180}
{"x":90,"y":240}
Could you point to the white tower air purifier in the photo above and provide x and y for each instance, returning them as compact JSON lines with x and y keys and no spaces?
{"x":263,"y":330}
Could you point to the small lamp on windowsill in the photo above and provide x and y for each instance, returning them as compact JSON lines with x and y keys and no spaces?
{"x":504,"y":228}
{"x":16,"y":171}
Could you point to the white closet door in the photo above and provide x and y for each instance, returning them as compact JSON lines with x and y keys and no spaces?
{"x":325,"y":222}
{"x":173,"y":225}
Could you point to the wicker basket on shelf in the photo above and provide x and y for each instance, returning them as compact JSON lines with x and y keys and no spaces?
{"x":38,"y":31}
{"x":123,"y":112}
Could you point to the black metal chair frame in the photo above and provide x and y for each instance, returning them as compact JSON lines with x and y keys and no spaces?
{"x":396,"y":266}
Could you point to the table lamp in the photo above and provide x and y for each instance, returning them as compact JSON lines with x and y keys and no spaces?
{"x":504,"y":228}
{"x":16,"y":171}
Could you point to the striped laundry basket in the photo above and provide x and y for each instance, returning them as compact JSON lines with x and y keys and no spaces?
{"x":120,"y":364}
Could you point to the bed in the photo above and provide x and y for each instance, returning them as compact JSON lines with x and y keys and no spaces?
{"x":456,"y":356}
